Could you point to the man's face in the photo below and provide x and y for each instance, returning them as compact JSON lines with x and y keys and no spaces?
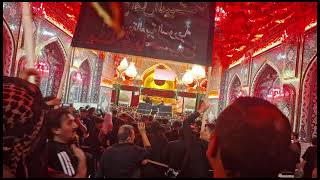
{"x":67,"y":130}
{"x":133,"y":136}
{"x":205,"y":134}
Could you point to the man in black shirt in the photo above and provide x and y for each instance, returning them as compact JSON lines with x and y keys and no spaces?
{"x":309,"y":159}
{"x":188,"y":153}
{"x":124,"y":159}
{"x":174,"y":133}
{"x":63,"y":155}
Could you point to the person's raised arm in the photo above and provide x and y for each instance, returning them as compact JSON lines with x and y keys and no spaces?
{"x":142,"y":131}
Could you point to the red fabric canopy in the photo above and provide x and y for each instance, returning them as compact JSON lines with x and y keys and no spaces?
{"x":239,"y":26}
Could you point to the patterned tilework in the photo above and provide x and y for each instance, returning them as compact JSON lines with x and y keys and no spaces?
{"x":308,"y":119}
{"x":310,"y":48}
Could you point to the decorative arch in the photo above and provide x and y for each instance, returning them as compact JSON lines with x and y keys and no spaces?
{"x":54,"y":55}
{"x":85,"y":72}
{"x":8,"y":49}
{"x":266,"y":78}
{"x":52,"y":40}
{"x":148,"y":78}
{"x":21,"y":64}
{"x":233,"y":89}
{"x":287,"y":103}
{"x":258,"y":74}
{"x":308,"y":118}
{"x":75,"y":88}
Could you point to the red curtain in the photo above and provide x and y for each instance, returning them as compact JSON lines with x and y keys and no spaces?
{"x":186,"y":94}
{"x":160,"y":93}
{"x":135,"y":98}
{"x":113,"y":96}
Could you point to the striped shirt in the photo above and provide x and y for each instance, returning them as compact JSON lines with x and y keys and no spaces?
{"x":61,"y":158}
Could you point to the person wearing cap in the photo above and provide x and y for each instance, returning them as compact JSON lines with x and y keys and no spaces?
{"x":251,"y":139}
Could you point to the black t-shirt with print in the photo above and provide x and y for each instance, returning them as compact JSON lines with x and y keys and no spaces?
{"x":61,"y":158}
{"x":122,"y":160}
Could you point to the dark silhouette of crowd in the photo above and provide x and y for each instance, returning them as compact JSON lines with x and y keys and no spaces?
{"x":250,"y":138}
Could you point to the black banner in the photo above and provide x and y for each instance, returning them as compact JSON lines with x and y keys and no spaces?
{"x":179,"y":31}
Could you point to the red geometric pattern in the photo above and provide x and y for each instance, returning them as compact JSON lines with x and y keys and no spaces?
{"x":7,"y":49}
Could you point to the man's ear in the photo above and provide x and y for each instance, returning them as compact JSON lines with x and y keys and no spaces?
{"x":56,"y":131}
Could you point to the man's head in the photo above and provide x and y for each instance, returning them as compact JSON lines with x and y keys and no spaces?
{"x":176,"y":124}
{"x":252,"y":138}
{"x":83,"y":113}
{"x":61,"y":125}
{"x":98,"y":121}
{"x":126,"y":134}
{"x":91,"y":111}
{"x":207,"y":132}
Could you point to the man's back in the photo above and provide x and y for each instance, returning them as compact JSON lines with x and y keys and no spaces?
{"x":121,"y":160}
{"x":172,"y":135}
{"x":175,"y":154}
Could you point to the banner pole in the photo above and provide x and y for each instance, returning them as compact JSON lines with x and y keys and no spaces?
{"x":206,"y":98}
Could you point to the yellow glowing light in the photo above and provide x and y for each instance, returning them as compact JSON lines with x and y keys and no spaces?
{"x":198,"y":72}
{"x":280,"y":21}
{"x":213,"y":94}
{"x":131,"y":71}
{"x":269,"y":46}
{"x":241,"y":48}
{"x":258,"y":35}
{"x":311,"y":25}
{"x":123,"y":64}
{"x":187,"y":78}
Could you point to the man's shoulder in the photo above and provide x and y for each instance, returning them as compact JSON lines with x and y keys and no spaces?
{"x":56,"y":147}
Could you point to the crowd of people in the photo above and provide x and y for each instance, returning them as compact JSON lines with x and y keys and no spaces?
{"x":250,"y":138}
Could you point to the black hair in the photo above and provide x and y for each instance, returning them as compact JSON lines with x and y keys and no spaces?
{"x":253,"y":136}
{"x":124,"y":132}
{"x":177,"y":124}
{"x":54,"y":119}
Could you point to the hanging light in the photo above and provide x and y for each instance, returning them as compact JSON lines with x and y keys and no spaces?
{"x":123,"y":64}
{"x":187,"y":78}
{"x":198,"y":72}
{"x":131,"y":71}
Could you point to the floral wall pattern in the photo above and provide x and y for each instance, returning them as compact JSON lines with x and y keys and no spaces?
{"x":86,"y":76}
{"x":12,"y":15}
{"x":234,"y":89}
{"x":53,"y":55}
{"x":8,"y":50}
{"x":284,"y":60}
{"x":309,"y":103}
{"x":96,"y":81}
{"x":309,"y":48}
